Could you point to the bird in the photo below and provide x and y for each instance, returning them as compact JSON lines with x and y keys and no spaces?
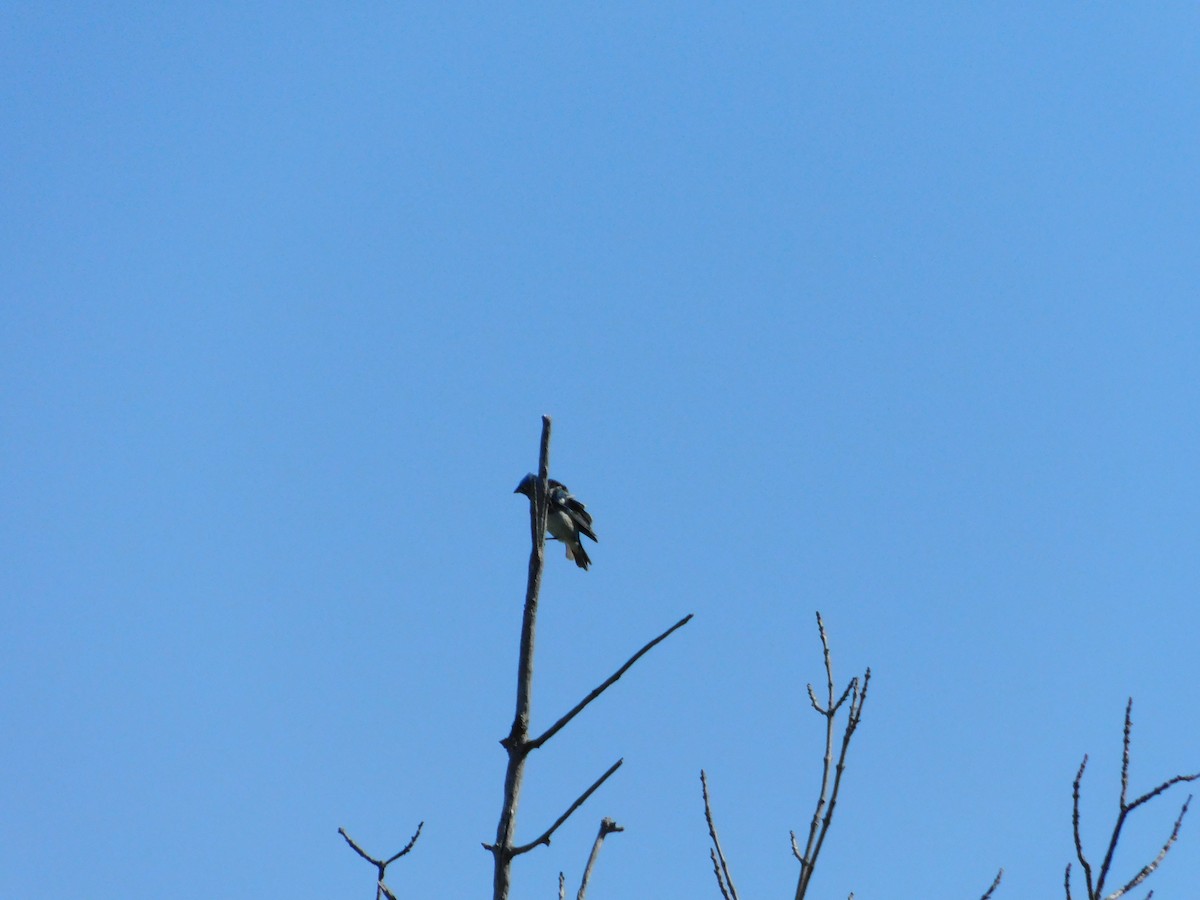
{"x":566,"y":517}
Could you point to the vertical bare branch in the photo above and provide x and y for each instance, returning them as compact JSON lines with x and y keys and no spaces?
{"x":607,"y":827}
{"x":720,"y":864}
{"x":1087,"y":867}
{"x":831,"y":775}
{"x":1123,"y":807}
{"x":502,"y":849}
{"x":517,"y":743}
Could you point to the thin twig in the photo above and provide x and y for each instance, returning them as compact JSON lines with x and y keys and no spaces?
{"x":359,"y":850}
{"x":712,"y":854}
{"x":381,"y":864}
{"x":544,"y":837}
{"x":607,"y":827}
{"x":607,"y":683}
{"x":411,"y":841}
{"x":1124,"y":807}
{"x":1087,"y":867}
{"x":995,"y":884}
{"x":720,"y":863}
{"x":1148,"y":869}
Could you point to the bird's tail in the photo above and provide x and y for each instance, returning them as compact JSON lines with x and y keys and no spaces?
{"x":578,"y":554}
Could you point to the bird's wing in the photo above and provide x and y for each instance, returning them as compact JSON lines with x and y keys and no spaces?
{"x":561,"y":498}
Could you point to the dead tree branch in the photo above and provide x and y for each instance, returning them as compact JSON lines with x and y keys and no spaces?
{"x":517,"y":743}
{"x":607,"y":827}
{"x":544,"y":837}
{"x":502,"y":850}
{"x":995,"y":884}
{"x":720,"y":863}
{"x":381,"y":889}
{"x":578,"y":708}
{"x":1095,"y":882}
{"x":831,"y":778}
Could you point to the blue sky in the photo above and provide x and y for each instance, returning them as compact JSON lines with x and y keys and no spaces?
{"x":885,"y":310}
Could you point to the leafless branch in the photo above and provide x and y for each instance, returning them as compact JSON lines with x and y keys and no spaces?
{"x":1095,"y":891}
{"x":831,"y":776}
{"x":514,"y":743}
{"x":995,"y":884}
{"x":1079,"y":854}
{"x":381,"y":864}
{"x":607,"y":827}
{"x":411,"y":842}
{"x":578,"y":708}
{"x":517,"y":743}
{"x":544,"y":837}
{"x":720,"y":863}
{"x":1149,"y":868}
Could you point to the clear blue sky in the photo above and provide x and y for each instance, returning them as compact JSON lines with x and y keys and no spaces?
{"x":887,"y":310}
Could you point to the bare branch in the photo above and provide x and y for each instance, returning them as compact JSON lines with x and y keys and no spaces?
{"x":357,"y":849}
{"x":502,"y":850}
{"x":1170,"y":782}
{"x":607,"y":827}
{"x":562,"y":886}
{"x":578,"y":708}
{"x":1095,"y":890}
{"x":1148,"y":869}
{"x":720,"y":863}
{"x":1125,"y":750}
{"x":381,"y":865}
{"x":712,"y":854}
{"x":544,"y":837}
{"x":517,"y":742}
{"x":831,"y":775}
{"x":812,"y":698}
{"x":995,"y":884}
{"x":411,"y":842}
{"x":1087,"y":867}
